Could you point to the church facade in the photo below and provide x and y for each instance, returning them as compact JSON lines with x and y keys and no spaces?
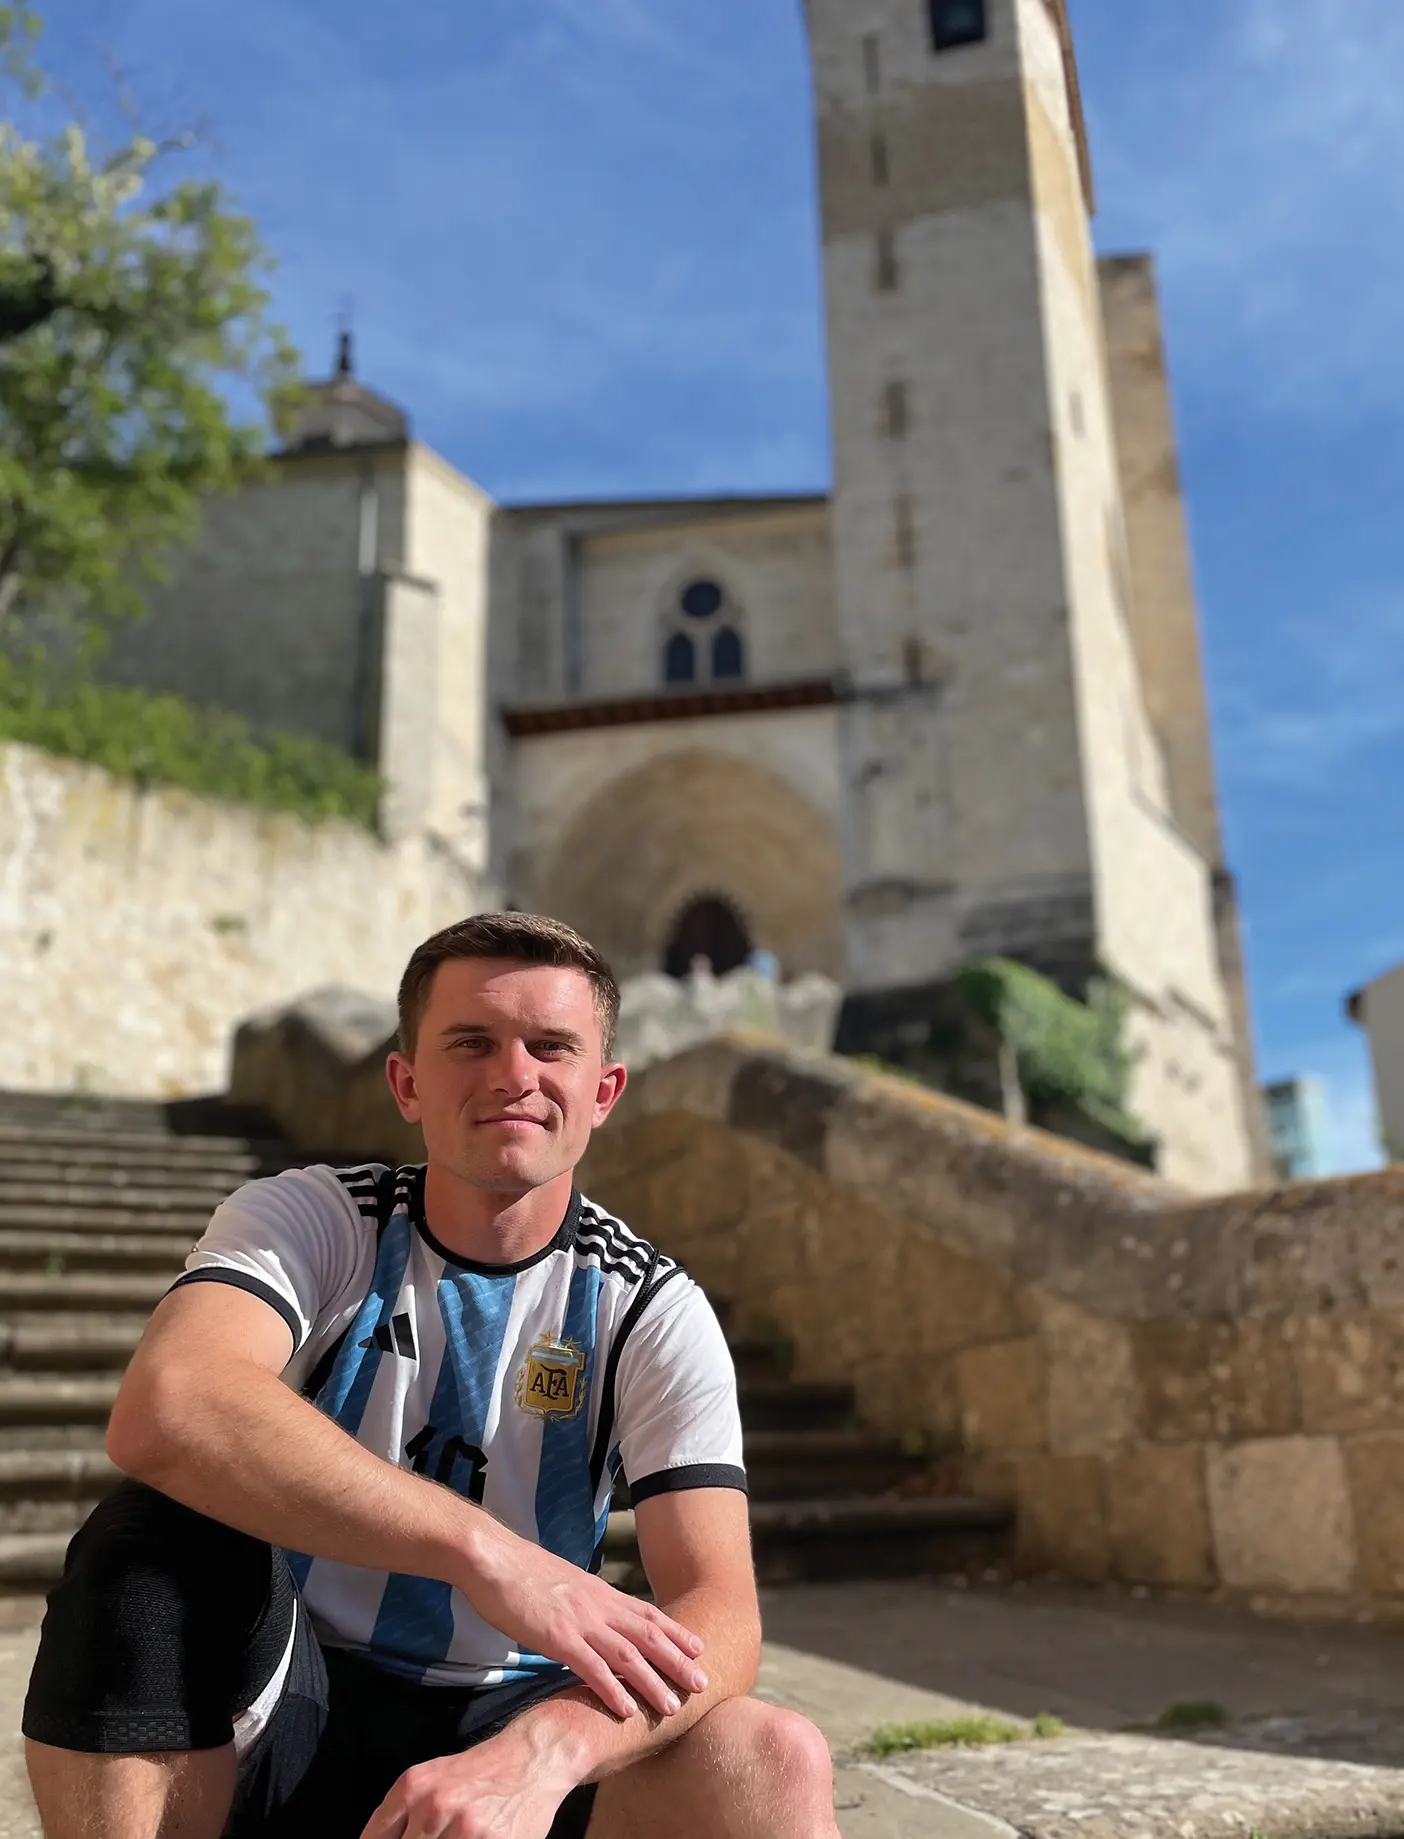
{"x":955,"y":707}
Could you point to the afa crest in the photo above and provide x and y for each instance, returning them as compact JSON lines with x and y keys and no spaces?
{"x":549,"y":1385}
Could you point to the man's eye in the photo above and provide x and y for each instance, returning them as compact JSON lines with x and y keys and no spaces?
{"x":471,"y":1041}
{"x":551,"y":1050}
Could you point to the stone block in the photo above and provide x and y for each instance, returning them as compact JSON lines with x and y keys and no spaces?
{"x":1203,"y":1382}
{"x":317,"y":1067}
{"x":1281,"y":1516}
{"x":1350,"y":1372}
{"x":1375,"y":1466}
{"x":1091,"y":1382}
{"x":1002,"y":1396}
{"x":1158,"y":1516}
{"x":1062,"y":1517}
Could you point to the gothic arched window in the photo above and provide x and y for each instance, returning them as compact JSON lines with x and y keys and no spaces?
{"x":727,"y":657}
{"x":703,"y":626}
{"x":680,"y":660}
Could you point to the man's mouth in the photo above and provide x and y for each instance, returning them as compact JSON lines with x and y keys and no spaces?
{"x":511,"y":1120}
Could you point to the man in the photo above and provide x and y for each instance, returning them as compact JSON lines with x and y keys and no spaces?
{"x":372,"y":1434}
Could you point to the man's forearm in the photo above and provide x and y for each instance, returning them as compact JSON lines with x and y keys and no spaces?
{"x":573,"y":1735}
{"x":255,"y":1456}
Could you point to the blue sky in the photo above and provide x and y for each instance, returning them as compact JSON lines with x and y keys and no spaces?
{"x":579,"y":236}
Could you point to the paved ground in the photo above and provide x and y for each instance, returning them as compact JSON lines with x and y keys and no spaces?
{"x":1315,"y":1747}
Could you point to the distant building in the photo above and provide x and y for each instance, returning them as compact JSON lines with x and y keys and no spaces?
{"x":1379,"y":1009}
{"x":1297,"y":1128}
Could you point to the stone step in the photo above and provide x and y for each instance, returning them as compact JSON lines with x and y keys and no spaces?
{"x":784,"y":1404}
{"x":32,"y":1558}
{"x":69,"y":1343}
{"x":834,"y":1464}
{"x":35,"y":1215}
{"x":757,"y":1359}
{"x":61,"y":1474}
{"x":57,"y":1398}
{"x":94,"y":1114}
{"x":104,"y":1292}
{"x":55,"y":1143}
{"x":84,"y":1149}
{"x":59,"y":1252}
{"x":82,"y":1200}
{"x":825,"y":1541}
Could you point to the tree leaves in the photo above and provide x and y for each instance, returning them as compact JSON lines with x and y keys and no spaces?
{"x":132,"y":309}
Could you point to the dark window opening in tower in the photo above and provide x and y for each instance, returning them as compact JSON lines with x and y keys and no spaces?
{"x":872,"y":63}
{"x":957,"y":22}
{"x":906,"y":534}
{"x":680,"y":660}
{"x":710,"y":929}
{"x":701,"y":599}
{"x":882,"y":170}
{"x":885,"y":268}
{"x":895,"y":410}
{"x":728,"y":656}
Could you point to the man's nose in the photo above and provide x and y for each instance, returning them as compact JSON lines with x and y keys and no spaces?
{"x":513,"y":1068}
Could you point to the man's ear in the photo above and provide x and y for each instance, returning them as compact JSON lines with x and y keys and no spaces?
{"x":613,"y":1080}
{"x":401,"y":1076}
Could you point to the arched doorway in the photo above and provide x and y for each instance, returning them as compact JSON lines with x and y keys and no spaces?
{"x":710,"y":928}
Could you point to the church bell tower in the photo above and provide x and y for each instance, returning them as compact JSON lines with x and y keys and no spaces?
{"x":1006,"y":791}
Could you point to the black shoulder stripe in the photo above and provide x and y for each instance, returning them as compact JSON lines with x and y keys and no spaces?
{"x":684,"y":1480}
{"x":253,"y":1286}
{"x":652,"y":1284}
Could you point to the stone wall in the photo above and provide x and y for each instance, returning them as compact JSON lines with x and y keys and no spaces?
{"x":138,"y":928}
{"x":1203,"y":1395}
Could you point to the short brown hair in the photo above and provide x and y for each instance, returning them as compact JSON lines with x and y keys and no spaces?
{"x":522,"y":938}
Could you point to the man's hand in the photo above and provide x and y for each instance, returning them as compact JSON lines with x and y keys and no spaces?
{"x":510,"y":1787}
{"x":611,"y":1642}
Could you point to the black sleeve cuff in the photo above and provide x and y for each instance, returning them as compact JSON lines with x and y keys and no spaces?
{"x":684,"y":1480}
{"x":241,"y":1280}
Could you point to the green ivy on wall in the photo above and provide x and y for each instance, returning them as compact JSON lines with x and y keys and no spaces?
{"x":1068,"y":1053}
{"x":163,"y":740}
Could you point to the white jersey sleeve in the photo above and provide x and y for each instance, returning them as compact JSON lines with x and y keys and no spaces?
{"x":676,"y":1412}
{"x":294,"y":1240}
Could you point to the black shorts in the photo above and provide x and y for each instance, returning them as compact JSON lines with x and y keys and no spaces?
{"x":169,"y":1631}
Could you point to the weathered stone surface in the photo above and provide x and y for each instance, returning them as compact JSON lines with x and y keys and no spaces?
{"x":1062,"y":1517}
{"x":1109,"y":1787}
{"x":1350,"y":1372}
{"x":1158,"y":1516}
{"x":1375,"y":1467}
{"x":317,"y":1068}
{"x":139,"y":927}
{"x":1281,"y":1515}
{"x":1201,"y":1381}
{"x":1004,"y":1294}
{"x":1002,"y":1396}
{"x":1091,"y":1381}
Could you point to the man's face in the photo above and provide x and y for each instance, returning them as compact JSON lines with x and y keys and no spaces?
{"x":508,"y":1077}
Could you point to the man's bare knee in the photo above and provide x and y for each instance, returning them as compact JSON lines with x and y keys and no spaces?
{"x":176,"y":1794}
{"x":768,"y":1743}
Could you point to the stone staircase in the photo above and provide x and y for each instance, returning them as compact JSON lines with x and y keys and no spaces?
{"x":100,"y":1201}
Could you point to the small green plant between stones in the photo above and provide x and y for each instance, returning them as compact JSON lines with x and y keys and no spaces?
{"x":975,"y":1731}
{"x":1192,"y":1714}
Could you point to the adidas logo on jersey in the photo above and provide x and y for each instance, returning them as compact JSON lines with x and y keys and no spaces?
{"x":394,"y":1337}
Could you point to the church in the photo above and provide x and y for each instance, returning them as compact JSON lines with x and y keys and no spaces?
{"x":955,"y":707}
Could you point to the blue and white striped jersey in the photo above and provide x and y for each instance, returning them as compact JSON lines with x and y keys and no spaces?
{"x":523,"y":1387}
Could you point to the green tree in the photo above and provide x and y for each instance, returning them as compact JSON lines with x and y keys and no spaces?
{"x":128,"y":309}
